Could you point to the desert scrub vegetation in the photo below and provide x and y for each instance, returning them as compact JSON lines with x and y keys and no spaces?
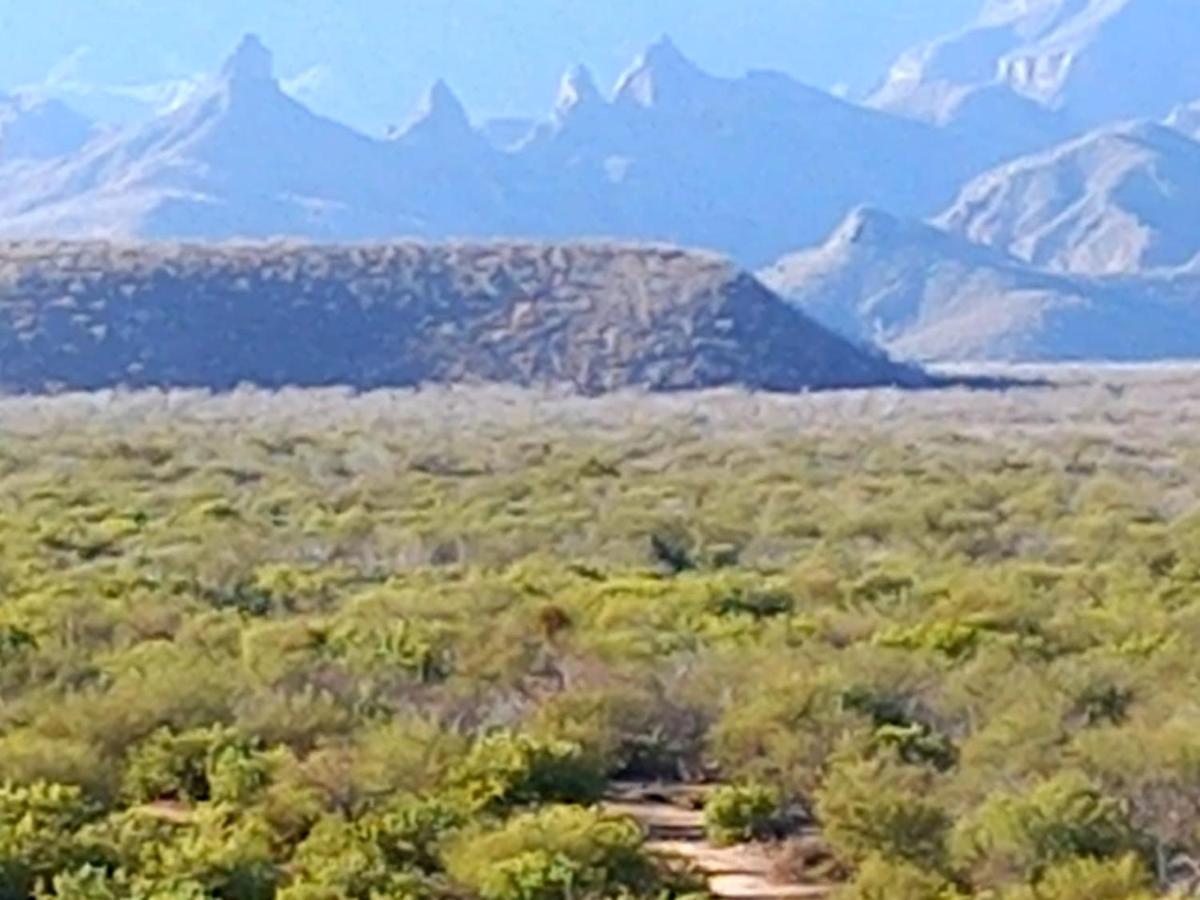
{"x":736,"y":814}
{"x":317,"y":644}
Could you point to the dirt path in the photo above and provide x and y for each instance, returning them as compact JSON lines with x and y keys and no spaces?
{"x":674,"y":823}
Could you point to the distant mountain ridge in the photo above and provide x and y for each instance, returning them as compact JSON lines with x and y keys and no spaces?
{"x":1092,"y":61}
{"x":241,"y":158}
{"x":1089,"y":250}
{"x":751,"y":166}
{"x":1022,"y":221}
{"x":927,"y":293}
{"x":1120,"y":200}
{"x":593,"y":317}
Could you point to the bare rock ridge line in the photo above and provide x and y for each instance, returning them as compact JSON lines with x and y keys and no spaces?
{"x":595,"y":317}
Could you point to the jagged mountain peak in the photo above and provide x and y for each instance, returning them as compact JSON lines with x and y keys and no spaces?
{"x":661,"y":73}
{"x":250,"y":63}
{"x":867,"y":225}
{"x":665,"y":53}
{"x":440,"y":115}
{"x":870,"y":230}
{"x":440,"y":101}
{"x":753,"y":165}
{"x":577,"y":89}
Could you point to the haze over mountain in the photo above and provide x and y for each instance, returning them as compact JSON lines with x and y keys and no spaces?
{"x":241,"y":158}
{"x":880,"y":279}
{"x":1092,"y":61}
{"x":1186,"y":118}
{"x":925,"y":293}
{"x":1119,"y":200}
{"x":366,"y":64}
{"x":751,"y":166}
{"x":34,"y":127}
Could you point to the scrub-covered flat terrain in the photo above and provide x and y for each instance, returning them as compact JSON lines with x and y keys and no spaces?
{"x":411,"y":644}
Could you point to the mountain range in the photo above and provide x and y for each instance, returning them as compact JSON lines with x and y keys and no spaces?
{"x":751,"y":166}
{"x":1086,"y":247}
{"x":1027,"y":188}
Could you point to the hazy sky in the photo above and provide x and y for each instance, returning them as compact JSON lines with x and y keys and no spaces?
{"x":367,"y":61}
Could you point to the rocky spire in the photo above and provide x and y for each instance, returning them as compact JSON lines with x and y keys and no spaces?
{"x":576,"y":90}
{"x":663,"y":54}
{"x":441,"y":107}
{"x":661,"y":71}
{"x":250,"y":63}
{"x":439,"y":115}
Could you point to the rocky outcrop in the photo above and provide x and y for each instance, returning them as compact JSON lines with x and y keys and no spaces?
{"x":595,"y":317}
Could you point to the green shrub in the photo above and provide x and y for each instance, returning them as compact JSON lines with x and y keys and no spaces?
{"x":883,"y":879}
{"x":410,"y":831}
{"x":917,"y":744}
{"x":39,"y":835}
{"x":1018,"y":836}
{"x":912,"y":742}
{"x":633,"y":730}
{"x":504,"y":770}
{"x":758,"y":604}
{"x":782,"y":732}
{"x":337,"y":859}
{"x":388,"y":852}
{"x":878,"y":809}
{"x":208,"y":851}
{"x":954,"y":640}
{"x":85,"y":883}
{"x":736,"y":814}
{"x":555,"y":853}
{"x":1126,"y":878}
{"x":194,"y":766}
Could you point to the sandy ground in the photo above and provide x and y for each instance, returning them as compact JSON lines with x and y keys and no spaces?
{"x":674,"y":823}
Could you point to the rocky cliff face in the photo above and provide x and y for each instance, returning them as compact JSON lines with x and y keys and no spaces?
{"x":593,"y":317}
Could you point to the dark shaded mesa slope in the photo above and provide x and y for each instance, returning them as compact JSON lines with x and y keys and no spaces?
{"x":593,"y":317}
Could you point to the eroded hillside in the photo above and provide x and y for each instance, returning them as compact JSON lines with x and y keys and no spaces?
{"x":594,"y":317}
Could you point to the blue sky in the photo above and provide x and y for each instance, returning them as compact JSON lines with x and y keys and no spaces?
{"x":368,"y":61}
